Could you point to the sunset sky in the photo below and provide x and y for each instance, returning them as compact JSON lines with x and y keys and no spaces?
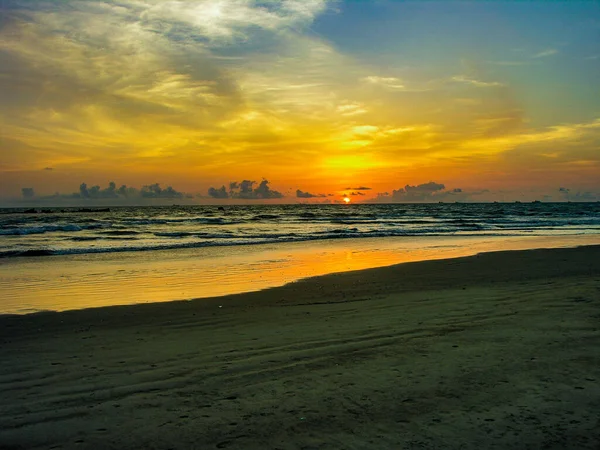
{"x":465,"y":101}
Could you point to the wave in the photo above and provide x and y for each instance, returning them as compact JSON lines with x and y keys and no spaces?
{"x":250,"y":240}
{"x":42,"y":229}
{"x":30,"y":253}
{"x":149,"y":228}
{"x":265,"y":217}
{"x":224,"y":235}
{"x":199,"y":234}
{"x":102,"y":238}
{"x":306,"y":215}
{"x":120,"y":232}
{"x":169,"y":221}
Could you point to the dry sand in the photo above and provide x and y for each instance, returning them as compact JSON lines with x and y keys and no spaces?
{"x":500,"y":350}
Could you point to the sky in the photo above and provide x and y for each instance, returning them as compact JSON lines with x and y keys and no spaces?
{"x":299,"y":100}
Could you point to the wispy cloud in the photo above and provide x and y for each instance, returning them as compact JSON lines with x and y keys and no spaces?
{"x":148,"y":76}
{"x":478,"y":83}
{"x":351,"y":109}
{"x":568,"y":132}
{"x":510,"y":63}
{"x":387,"y":82}
{"x":545,"y":53}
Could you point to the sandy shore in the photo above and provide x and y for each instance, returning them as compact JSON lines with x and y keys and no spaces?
{"x":500,"y":350}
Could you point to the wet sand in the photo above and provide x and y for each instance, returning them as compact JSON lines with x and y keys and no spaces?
{"x":499,"y":350}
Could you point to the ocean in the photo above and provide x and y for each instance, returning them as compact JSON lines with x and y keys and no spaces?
{"x":61,"y":231}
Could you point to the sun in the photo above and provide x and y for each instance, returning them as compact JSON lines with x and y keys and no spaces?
{"x":346,"y":200}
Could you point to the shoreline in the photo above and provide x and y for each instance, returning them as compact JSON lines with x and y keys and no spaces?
{"x":496,"y":350}
{"x":73,"y":282}
{"x":252,"y":299}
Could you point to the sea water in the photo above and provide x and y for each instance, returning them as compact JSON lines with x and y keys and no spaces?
{"x":48,"y":231}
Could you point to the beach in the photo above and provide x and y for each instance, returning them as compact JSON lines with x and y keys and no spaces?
{"x":496,"y":350}
{"x":299,"y":225}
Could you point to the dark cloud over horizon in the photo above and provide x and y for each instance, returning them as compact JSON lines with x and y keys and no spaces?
{"x":302,"y":194}
{"x":218,"y":192}
{"x":426,"y":192}
{"x":124,"y":192}
{"x":245,"y":190}
{"x":579,"y":196}
{"x":155,"y":191}
{"x":28,"y":192}
{"x":421,"y":192}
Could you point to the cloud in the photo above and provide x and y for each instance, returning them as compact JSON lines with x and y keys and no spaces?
{"x":544,"y":53}
{"x":302,"y":194}
{"x":28,"y":192}
{"x":127,"y":192}
{"x":510,"y":63}
{"x":586,"y":196}
{"x":386,"y":82}
{"x":365,"y":132}
{"x":360,"y":188}
{"x":426,"y":187}
{"x":228,"y":21}
{"x":474,"y":82}
{"x":155,"y":191}
{"x":96,"y":192}
{"x":421,"y":192}
{"x":84,"y":68}
{"x":124,"y":194}
{"x":245,"y":190}
{"x":356,"y":193}
{"x":263,"y":191}
{"x":150,"y":191}
{"x":83,"y":190}
{"x":424,"y":193}
{"x":146,"y":75}
{"x":351,"y":109}
{"x":560,"y":136}
{"x":579,"y":196}
{"x":218,"y":192}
